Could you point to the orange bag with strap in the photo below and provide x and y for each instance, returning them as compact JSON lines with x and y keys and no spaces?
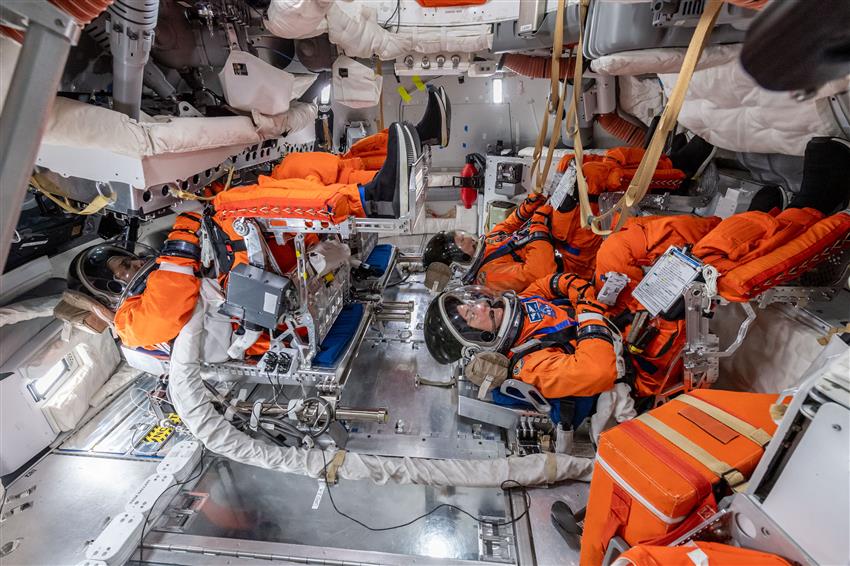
{"x":654,"y":478}
{"x":697,"y":554}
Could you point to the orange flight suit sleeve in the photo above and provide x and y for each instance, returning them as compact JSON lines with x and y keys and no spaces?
{"x":592,"y":369}
{"x":165,"y":306}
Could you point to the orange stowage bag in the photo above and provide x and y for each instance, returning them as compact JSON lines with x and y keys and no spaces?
{"x":710,"y":553}
{"x":647,"y":490}
{"x":290,"y":198}
{"x":786,"y":263}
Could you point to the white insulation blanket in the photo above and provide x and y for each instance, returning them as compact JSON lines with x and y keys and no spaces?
{"x":193,"y":403}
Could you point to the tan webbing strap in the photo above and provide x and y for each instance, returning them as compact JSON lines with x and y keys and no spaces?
{"x":721,"y":469}
{"x":743,"y":428}
{"x":551,"y":467}
{"x":96,"y":205}
{"x":640,"y":183}
{"x":554,"y":104}
{"x":572,"y":119}
{"x":333,"y":467}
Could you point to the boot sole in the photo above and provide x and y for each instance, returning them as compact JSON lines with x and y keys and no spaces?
{"x":406,"y":158}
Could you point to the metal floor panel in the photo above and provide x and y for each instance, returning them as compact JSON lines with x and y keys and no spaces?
{"x":235,"y":502}
{"x":240,"y":513}
{"x":72,"y":499}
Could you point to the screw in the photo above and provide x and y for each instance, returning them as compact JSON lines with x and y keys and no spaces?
{"x":765,"y":532}
{"x":836,"y":427}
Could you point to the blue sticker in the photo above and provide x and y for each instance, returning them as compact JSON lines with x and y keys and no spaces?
{"x":547,"y":309}
{"x":518,"y":367}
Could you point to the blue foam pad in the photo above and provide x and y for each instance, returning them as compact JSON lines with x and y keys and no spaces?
{"x":380,"y":257}
{"x":583,"y":406}
{"x":339,"y":336}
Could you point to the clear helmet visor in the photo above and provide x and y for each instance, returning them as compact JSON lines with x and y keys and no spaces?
{"x":107,"y":270}
{"x":475,"y":315}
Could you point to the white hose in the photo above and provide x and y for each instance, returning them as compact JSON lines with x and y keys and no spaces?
{"x":40,"y":307}
{"x":193,"y":403}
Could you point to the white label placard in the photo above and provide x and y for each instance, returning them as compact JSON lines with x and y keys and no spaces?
{"x":269,"y":303}
{"x":666,"y":280}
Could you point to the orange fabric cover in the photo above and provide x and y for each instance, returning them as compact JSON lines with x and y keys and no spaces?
{"x":641,"y":241}
{"x":291,"y":198}
{"x":323,"y":168}
{"x":665,"y":476}
{"x":372,"y":150}
{"x":766,"y":268}
{"x":615,"y":170}
{"x":717,"y":554}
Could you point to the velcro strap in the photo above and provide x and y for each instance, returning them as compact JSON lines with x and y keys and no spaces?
{"x":181,"y":248}
{"x":174,"y":268}
{"x":593,"y":331}
{"x":743,"y":428}
{"x":588,"y":316}
{"x":734,"y":478}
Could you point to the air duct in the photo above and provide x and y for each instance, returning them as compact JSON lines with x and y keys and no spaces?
{"x":131,"y":32}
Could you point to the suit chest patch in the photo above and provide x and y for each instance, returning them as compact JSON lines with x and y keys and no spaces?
{"x":537,"y":310}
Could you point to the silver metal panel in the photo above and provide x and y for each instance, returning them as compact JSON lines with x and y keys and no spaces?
{"x":73,"y":499}
{"x":817,"y":477}
{"x":243,"y":503}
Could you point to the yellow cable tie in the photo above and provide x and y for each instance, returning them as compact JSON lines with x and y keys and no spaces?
{"x":405,"y":96}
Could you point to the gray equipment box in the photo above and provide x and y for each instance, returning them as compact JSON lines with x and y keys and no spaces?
{"x":257,"y":296}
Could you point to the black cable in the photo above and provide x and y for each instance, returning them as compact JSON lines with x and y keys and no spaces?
{"x":502,"y":486}
{"x":396,"y":11}
{"x":200,"y":466}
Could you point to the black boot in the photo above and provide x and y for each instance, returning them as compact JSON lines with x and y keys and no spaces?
{"x":434,"y":127}
{"x":826,"y":176}
{"x":692,"y":157}
{"x":386,"y":193}
{"x":768,"y":198}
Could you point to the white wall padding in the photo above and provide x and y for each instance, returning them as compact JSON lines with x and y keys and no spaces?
{"x":67,"y":406}
{"x":193,"y":403}
{"x":728,"y":109}
{"x":774,"y":355}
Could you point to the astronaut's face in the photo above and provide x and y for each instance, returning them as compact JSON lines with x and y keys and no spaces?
{"x":481,"y":316}
{"x":123,"y":267}
{"x":466,"y":242}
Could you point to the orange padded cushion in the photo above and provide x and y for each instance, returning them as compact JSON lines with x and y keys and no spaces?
{"x":784,"y":263}
{"x":743,"y":237}
{"x":290,"y":198}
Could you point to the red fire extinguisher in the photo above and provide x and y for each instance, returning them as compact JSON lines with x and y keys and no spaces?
{"x":471,"y":179}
